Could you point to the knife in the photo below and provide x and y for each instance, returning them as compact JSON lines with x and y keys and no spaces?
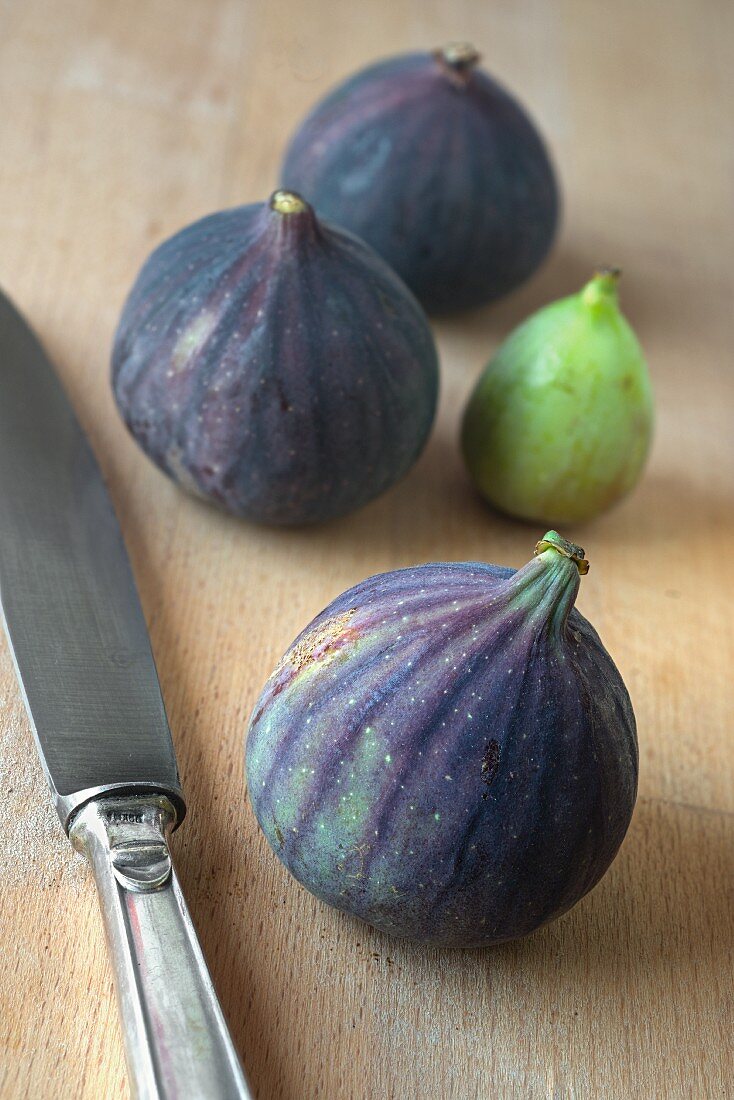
{"x":85,"y":666}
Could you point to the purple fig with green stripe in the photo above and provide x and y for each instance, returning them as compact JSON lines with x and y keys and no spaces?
{"x":439,"y":168}
{"x":275,"y":365}
{"x":448,"y":751}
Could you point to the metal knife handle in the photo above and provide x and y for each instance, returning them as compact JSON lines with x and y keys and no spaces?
{"x":176,"y":1039}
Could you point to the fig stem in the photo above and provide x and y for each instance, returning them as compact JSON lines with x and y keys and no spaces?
{"x":288,"y":202}
{"x":553,"y":541}
{"x":602,"y":287}
{"x":458,"y":59}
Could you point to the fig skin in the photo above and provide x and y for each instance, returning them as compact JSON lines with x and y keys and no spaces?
{"x":448,"y":752}
{"x":430,"y":161}
{"x":560,"y":423}
{"x":275,"y":365}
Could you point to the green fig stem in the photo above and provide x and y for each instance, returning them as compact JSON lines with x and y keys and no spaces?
{"x":602,"y":287}
{"x":288,"y":202}
{"x":457,"y":59}
{"x":553,"y":541}
{"x":546,"y":588}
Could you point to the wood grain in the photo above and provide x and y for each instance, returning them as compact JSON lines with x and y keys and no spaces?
{"x":120,"y":122}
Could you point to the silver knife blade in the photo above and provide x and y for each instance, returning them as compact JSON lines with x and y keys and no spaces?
{"x":71,"y":609}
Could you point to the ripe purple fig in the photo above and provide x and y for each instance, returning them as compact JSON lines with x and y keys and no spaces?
{"x":434,"y":164}
{"x":448,"y":751}
{"x":275,"y":365}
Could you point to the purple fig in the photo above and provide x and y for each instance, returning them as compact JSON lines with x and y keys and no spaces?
{"x":275,"y":365}
{"x":448,"y":751}
{"x":434,"y":164}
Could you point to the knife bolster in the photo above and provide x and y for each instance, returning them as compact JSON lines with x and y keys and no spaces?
{"x":132,"y":831}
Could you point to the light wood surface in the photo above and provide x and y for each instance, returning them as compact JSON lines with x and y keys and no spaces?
{"x":121,"y":122}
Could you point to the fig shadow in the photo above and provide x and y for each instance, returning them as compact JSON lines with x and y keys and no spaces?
{"x":661,"y":917}
{"x":565,"y":271}
{"x":662,"y":912}
{"x":651,"y":299}
{"x":415,"y":514}
{"x":666,"y":902}
{"x":658,"y":510}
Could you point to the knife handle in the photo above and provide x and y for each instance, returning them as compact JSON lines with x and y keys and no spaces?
{"x":176,"y":1040}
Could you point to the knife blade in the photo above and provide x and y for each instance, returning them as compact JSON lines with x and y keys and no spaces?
{"x":84,"y":662}
{"x":71,"y":609}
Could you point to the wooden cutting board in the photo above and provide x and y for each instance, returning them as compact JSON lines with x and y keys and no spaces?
{"x":122,"y":121}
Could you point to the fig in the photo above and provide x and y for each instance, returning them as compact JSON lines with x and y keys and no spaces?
{"x":430,"y":161}
{"x":559,"y":425}
{"x":448,"y":751}
{"x":275,"y":364}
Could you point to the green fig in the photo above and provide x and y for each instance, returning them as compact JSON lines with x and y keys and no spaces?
{"x":559,"y":425}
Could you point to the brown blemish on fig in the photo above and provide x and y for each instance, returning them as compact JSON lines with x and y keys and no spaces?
{"x":490,"y":763}
{"x":323,"y":643}
{"x":285,"y":405}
